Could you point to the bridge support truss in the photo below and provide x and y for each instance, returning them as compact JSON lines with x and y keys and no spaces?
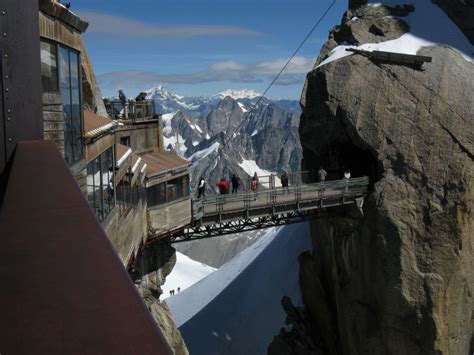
{"x":241,"y":225}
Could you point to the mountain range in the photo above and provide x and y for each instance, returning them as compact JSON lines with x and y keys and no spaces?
{"x":233,"y":132}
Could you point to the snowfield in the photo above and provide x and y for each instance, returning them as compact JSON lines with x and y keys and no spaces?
{"x":239,"y":94}
{"x":429,"y":26}
{"x":201,"y":154}
{"x":236,"y":309}
{"x":185,"y":273}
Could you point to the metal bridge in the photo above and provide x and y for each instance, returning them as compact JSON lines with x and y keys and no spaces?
{"x":268,"y":207}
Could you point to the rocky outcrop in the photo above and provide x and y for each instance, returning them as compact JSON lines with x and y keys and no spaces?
{"x":153,"y":265}
{"x":162,"y":315}
{"x":399,"y":279}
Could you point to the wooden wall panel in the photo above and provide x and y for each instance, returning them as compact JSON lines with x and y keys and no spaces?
{"x":171,"y":216}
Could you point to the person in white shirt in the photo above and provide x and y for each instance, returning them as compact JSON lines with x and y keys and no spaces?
{"x":347,"y":176}
{"x":201,"y":187}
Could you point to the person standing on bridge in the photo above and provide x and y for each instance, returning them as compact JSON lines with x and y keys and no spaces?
{"x":235,"y":183}
{"x":347,"y":176}
{"x":201,"y":187}
{"x":254,"y":182}
{"x":284,"y":181}
{"x":322,"y":174}
{"x":223,"y":186}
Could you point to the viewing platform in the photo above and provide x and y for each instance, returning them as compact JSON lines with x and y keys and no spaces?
{"x":131,"y":110}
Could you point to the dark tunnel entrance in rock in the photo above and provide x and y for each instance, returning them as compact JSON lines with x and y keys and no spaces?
{"x":338,"y":157}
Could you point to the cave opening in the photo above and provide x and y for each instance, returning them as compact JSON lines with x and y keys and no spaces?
{"x":338,"y":157}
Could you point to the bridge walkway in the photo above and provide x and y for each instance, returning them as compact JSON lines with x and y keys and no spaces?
{"x":249,"y":210}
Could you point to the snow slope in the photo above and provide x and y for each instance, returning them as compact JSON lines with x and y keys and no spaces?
{"x":429,"y":26}
{"x":251,"y":167}
{"x":237,"y":310}
{"x":201,"y":154}
{"x":185,"y":273}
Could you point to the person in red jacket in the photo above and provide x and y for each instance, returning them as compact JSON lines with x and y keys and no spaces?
{"x":223,"y":186}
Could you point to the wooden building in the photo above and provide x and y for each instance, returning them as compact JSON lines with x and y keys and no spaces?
{"x":168,"y":193}
{"x":66,"y":291}
{"x":114,"y":148}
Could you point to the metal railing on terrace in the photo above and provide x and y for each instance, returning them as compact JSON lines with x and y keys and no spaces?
{"x":131,"y":110}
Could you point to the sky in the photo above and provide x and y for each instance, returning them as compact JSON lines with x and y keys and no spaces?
{"x":203,"y":47}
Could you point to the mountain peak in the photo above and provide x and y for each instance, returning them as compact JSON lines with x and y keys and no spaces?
{"x":161,"y":91}
{"x":238,"y":94}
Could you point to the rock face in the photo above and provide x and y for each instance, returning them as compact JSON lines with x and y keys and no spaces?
{"x":153,"y":265}
{"x":398,"y":280}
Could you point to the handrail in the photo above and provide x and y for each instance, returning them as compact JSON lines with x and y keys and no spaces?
{"x":130,"y":109}
{"x":348,"y":189}
{"x":241,"y":196}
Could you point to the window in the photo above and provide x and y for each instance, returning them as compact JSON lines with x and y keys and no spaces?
{"x":49,"y":67}
{"x":100,"y":184}
{"x":70,"y":86}
{"x":125,"y":140}
{"x":128,"y":195}
{"x":124,"y":194}
{"x":168,"y":191}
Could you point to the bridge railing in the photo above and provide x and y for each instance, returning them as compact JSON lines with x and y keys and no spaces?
{"x":274,"y":180}
{"x":275,"y":196}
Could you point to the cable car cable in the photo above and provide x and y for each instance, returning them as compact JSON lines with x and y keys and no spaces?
{"x":280,"y":72}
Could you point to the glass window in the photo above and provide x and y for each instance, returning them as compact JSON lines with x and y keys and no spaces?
{"x":168,"y":191}
{"x":125,"y":140}
{"x":124,"y":193}
{"x":100,"y":184}
{"x":171,"y":190}
{"x":49,"y":67}
{"x":70,"y":86}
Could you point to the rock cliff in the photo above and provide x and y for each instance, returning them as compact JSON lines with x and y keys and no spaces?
{"x":399,"y":279}
{"x":154,"y":264}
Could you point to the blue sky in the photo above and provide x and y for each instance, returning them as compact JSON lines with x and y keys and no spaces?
{"x":202,"y":47}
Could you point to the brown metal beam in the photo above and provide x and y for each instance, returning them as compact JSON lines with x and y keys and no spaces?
{"x":63,"y":288}
{"x":20,"y":83}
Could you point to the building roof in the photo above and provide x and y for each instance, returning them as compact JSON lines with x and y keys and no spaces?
{"x":160,"y":162}
{"x":136,"y":163}
{"x":61,"y":12}
{"x":95,"y":125}
{"x":122,"y":153}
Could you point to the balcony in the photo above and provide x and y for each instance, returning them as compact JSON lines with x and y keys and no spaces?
{"x":131,"y":110}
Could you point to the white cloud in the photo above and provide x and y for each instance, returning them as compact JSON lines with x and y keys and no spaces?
{"x":222,"y":71}
{"x":116,"y":25}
